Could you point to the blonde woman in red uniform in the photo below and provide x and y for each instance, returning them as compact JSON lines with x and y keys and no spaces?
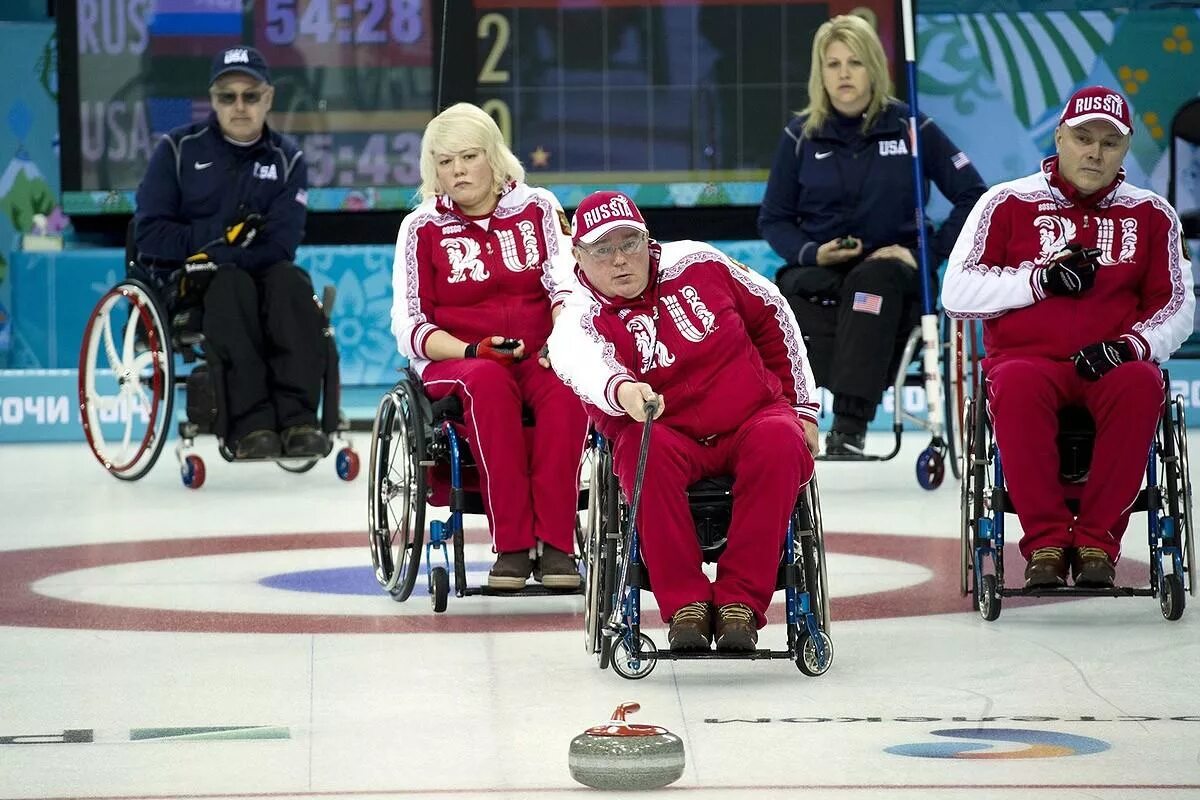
{"x":480,"y":264}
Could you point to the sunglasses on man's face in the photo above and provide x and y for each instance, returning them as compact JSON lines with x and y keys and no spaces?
{"x":250,"y":97}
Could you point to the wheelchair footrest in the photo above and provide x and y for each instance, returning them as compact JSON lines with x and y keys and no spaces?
{"x":719,"y":655}
{"x":854,"y":457}
{"x":532,"y":590}
{"x":1079,"y":591}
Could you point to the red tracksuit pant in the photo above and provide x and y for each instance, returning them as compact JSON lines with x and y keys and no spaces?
{"x":1024,"y":396}
{"x":530,"y":490}
{"x":770,"y":463}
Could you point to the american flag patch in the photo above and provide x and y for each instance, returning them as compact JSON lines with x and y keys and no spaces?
{"x":867,"y":303}
{"x":959,"y":160}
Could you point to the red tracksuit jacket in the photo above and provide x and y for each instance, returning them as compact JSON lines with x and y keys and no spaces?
{"x":1143,"y":289}
{"x":451,"y":273}
{"x":718,"y":341}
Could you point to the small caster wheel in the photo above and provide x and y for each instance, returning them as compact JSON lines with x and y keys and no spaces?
{"x":633,"y":667}
{"x":988,"y":598}
{"x":192,"y":472}
{"x":931,"y":469}
{"x":439,"y":588}
{"x":809,"y":659}
{"x":347,"y":464}
{"x":1173,"y":597}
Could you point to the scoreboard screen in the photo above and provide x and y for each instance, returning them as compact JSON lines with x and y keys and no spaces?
{"x":683,"y":102}
{"x":353,"y":84}
{"x":679,"y":102}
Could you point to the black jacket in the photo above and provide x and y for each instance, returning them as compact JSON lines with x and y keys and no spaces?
{"x":842,"y":183}
{"x":198,"y":184}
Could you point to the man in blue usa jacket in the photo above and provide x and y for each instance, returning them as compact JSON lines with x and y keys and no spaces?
{"x":227,"y":199}
{"x":839,"y":209}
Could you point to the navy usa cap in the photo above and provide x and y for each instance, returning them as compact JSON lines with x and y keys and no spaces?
{"x":240,"y":59}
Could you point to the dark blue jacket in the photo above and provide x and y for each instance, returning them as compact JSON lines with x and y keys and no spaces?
{"x":842,"y":183}
{"x":198,"y":183}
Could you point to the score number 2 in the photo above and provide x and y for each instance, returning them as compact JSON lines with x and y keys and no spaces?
{"x":489,"y":73}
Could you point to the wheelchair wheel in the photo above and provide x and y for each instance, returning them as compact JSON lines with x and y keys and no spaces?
{"x":297,"y":467}
{"x":396,"y":495}
{"x":810,"y":659}
{"x":126,"y":380}
{"x":1173,"y":599}
{"x":961,"y":379}
{"x":604,"y":530}
{"x":634,"y":668}
{"x":1183,"y":499}
{"x":812,"y":549}
{"x":439,"y":588}
{"x":988,"y":598}
{"x":967,"y":491}
{"x":591,"y":550}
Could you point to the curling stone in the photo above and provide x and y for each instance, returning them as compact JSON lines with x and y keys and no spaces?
{"x":621,"y":755}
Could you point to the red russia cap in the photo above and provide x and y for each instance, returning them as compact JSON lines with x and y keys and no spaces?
{"x":600,"y":212}
{"x":1097,"y":102}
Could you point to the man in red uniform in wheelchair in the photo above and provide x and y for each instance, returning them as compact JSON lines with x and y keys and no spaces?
{"x":718,"y":348}
{"x":1084,"y":285}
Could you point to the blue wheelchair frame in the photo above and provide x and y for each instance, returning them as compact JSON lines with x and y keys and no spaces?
{"x":633,"y":655}
{"x":1169,"y":534}
{"x":426,"y":434}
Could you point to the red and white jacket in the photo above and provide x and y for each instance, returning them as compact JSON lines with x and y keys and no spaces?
{"x":1143,"y":291}
{"x":496,"y":276}
{"x":717,"y":340}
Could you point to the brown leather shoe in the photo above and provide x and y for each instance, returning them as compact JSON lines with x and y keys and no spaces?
{"x":737,"y":629}
{"x":511,"y":570}
{"x":691,"y":627}
{"x":1092,"y":568}
{"x":555,"y":569}
{"x":1047,"y":568}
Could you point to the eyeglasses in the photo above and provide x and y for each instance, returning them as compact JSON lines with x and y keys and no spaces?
{"x":605,"y":252}
{"x":250,"y":97}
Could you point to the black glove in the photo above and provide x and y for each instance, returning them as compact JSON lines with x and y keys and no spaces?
{"x":1094,"y":361}
{"x":1072,"y":272}
{"x":502,"y":353}
{"x":243,"y":232}
{"x":198,"y":272}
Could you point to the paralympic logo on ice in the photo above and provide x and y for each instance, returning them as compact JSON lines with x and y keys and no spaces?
{"x":1038,"y":744}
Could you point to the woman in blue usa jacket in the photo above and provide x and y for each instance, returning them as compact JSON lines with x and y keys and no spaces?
{"x":840,"y":210}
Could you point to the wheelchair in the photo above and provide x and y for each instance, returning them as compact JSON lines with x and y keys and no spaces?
{"x":128,"y":377}
{"x":615,"y":576}
{"x":958,"y":361}
{"x":1166,"y":499}
{"x":419,"y":459}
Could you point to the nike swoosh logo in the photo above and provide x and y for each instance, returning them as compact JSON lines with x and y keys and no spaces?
{"x":205,"y":165}
{"x":826,"y":154}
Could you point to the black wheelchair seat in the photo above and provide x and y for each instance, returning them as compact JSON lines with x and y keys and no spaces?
{"x":1076,"y":436}
{"x":709,"y":501}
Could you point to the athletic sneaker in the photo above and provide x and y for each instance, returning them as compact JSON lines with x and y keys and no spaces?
{"x":555,"y":569}
{"x":1092,"y":568}
{"x":1047,"y":568}
{"x":691,"y":627}
{"x":840,"y":443}
{"x":511,"y":571}
{"x":737,"y":630}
